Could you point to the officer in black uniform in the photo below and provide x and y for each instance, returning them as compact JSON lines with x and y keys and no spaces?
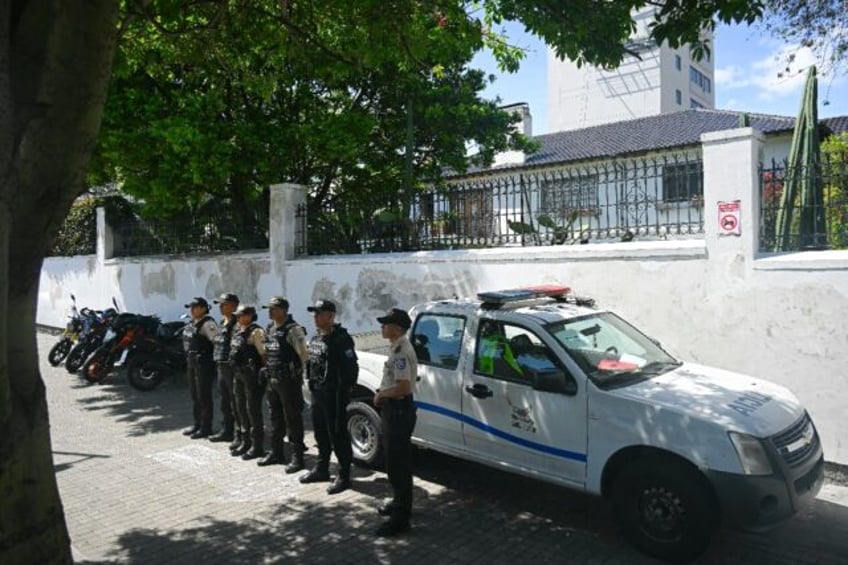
{"x":332,"y":370}
{"x":285,"y":346}
{"x":247,"y":355}
{"x":198,"y":335}
{"x":227,"y":303}
{"x":397,"y":411}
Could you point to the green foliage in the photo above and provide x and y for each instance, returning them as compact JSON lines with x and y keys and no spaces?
{"x":835,"y":180}
{"x":78,"y":233}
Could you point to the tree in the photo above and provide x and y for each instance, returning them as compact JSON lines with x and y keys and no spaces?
{"x":55,"y":63}
{"x":819,"y":25}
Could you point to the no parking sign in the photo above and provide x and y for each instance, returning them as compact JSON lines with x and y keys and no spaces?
{"x":729,"y":218}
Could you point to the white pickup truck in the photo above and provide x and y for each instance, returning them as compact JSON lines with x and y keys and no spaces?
{"x":538,"y":382}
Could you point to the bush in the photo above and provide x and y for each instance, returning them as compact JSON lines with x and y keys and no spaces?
{"x":78,"y":233}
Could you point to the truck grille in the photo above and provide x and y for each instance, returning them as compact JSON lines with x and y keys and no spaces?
{"x":798,"y":442}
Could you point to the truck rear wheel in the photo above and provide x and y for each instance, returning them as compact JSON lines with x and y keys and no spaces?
{"x":665,"y":508}
{"x":366,"y":433}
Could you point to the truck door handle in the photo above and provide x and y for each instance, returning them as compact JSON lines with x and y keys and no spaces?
{"x":479,"y":391}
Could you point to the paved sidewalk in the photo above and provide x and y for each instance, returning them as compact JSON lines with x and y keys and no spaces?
{"x":136,"y":491}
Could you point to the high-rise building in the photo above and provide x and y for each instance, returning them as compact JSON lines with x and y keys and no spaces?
{"x":662,"y":80}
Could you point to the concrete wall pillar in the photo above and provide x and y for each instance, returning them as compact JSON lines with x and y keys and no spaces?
{"x":283,"y":226}
{"x":105,"y":237}
{"x":731,"y":161}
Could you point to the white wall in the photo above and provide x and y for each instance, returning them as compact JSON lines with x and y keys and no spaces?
{"x":714,"y":300}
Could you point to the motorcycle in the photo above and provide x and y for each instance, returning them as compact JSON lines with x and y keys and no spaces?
{"x":155,"y":356}
{"x":119,"y":338}
{"x":95,"y":323}
{"x":70,"y":335}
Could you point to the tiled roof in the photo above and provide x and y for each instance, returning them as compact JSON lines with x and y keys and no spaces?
{"x":665,"y":131}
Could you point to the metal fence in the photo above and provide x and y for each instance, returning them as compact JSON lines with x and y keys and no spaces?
{"x":186,"y":236}
{"x":621,"y":200}
{"x":826,"y":206}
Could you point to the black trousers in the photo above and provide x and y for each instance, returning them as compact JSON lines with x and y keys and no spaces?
{"x":227,"y":396}
{"x":398,"y":422}
{"x":329,"y":422}
{"x":201,"y":379}
{"x":285,"y":399}
{"x":248,"y":395}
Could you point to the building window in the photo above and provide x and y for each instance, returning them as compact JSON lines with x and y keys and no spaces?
{"x":682,"y":182}
{"x":695,"y":104}
{"x":679,"y":97}
{"x":677,"y":62}
{"x":697,"y":78}
{"x":561,"y":197}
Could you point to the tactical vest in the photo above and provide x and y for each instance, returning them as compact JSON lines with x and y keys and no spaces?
{"x":280,"y":354}
{"x":194,"y":341}
{"x":221,"y":349}
{"x":241,"y":352}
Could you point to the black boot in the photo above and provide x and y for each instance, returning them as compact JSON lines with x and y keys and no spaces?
{"x":342,"y":483}
{"x":315,"y":476}
{"x":236,"y":441}
{"x":296,"y":462}
{"x":255,"y":452}
{"x":274,"y":457}
{"x":245,"y":446}
{"x":223,"y":435}
{"x":201,"y":433}
{"x":191,"y":430}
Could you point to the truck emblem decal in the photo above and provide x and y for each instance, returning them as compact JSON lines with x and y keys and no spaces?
{"x":520,"y":418}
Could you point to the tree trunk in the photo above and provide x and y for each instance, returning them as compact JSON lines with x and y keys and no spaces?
{"x":55,"y":61}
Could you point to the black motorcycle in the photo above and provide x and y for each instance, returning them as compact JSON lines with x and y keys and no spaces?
{"x":70,"y":335}
{"x":117,"y":342}
{"x":95,"y":324}
{"x":155,"y":356}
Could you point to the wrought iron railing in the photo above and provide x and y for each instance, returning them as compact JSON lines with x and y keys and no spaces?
{"x":620,"y":200}
{"x":814,"y":217}
{"x":188,"y":236}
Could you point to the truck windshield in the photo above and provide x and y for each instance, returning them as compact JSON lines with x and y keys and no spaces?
{"x":610,"y":351}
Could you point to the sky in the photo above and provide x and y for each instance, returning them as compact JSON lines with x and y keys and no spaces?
{"x":747,"y":62}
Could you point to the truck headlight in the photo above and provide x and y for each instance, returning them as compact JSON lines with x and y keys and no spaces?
{"x":751,"y":454}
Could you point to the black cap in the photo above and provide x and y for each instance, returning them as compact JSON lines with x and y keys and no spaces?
{"x":245,"y":309}
{"x":277,"y":302}
{"x":227,"y":297}
{"x":322,"y":306}
{"x":198,"y":301}
{"x":396,"y":316}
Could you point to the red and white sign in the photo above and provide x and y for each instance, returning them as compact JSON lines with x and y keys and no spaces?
{"x":729,"y":218}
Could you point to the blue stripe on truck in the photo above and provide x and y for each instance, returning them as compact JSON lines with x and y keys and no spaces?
{"x":564,"y":453}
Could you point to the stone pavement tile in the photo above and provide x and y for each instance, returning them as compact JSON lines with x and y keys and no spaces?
{"x":136,"y":491}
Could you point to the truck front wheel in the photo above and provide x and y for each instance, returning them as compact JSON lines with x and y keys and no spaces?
{"x":666,"y":508}
{"x":366,"y":434}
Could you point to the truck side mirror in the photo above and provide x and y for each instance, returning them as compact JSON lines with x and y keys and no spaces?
{"x":555,"y":381}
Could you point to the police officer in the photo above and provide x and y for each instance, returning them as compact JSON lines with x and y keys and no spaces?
{"x":285,"y":345}
{"x":332,"y":370}
{"x":198,"y":335}
{"x":397,"y":408}
{"x":247,"y":355}
{"x":227,"y":303}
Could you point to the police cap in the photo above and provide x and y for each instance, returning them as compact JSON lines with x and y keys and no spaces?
{"x":397,"y":317}
{"x":198,"y":301}
{"x":277,"y":302}
{"x":322,"y":306}
{"x":227,"y":297}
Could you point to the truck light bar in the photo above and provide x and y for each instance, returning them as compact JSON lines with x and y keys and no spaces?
{"x":499,"y":297}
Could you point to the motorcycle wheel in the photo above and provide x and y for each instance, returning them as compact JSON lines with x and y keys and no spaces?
{"x":59,"y":351}
{"x":96,"y":367}
{"x":76,"y":358}
{"x":145,"y":373}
